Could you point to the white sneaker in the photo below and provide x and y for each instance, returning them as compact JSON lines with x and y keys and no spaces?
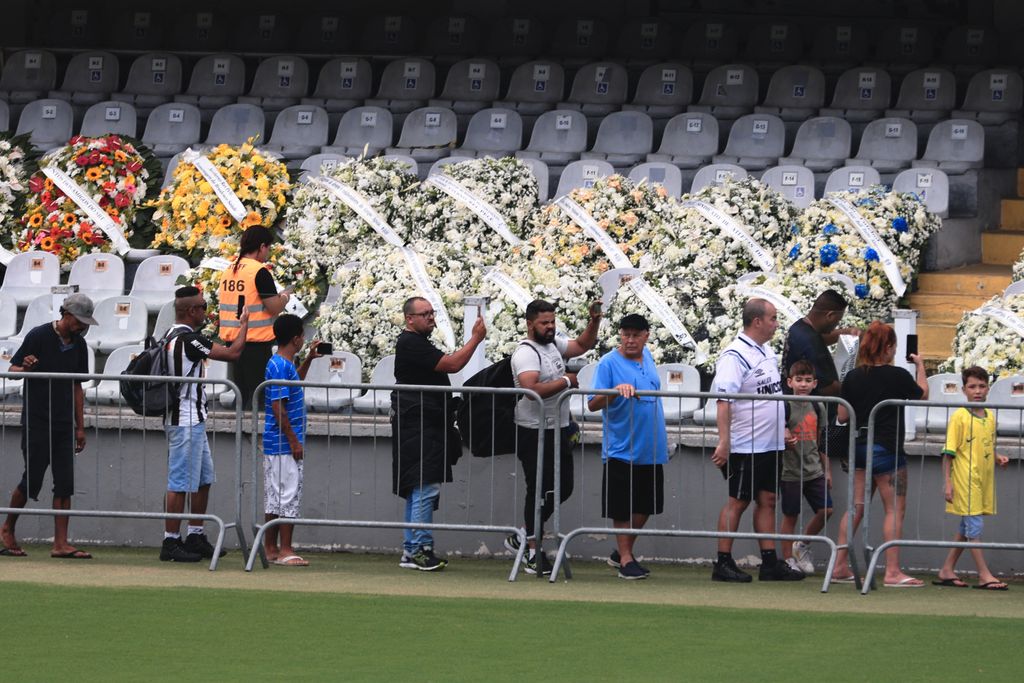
{"x":803,"y":556}
{"x":791,"y":563}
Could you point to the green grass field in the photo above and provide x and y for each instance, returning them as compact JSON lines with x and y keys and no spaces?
{"x":358,"y":617}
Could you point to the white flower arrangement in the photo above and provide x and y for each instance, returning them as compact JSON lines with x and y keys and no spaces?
{"x":14,"y":175}
{"x":984,"y":340}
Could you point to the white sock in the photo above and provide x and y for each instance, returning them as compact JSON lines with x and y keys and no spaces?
{"x":168,"y":534}
{"x":194,"y":530}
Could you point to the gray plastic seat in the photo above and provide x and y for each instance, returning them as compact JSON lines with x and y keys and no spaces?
{"x":65,"y":26}
{"x":317,"y":164}
{"x":164,"y":320}
{"x":623,"y":139}
{"x":236,"y":123}
{"x":646,"y":39}
{"x":659,"y":173}
{"x":682,"y":378}
{"x":558,"y":137}
{"x":363,"y":129}
{"x":598,"y":89}
{"x":470,"y":86}
{"x":8,"y":315}
{"x":5,"y":117}
{"x":156,"y":279}
{"x":903,"y":47}
{"x":542,"y":176}
{"x":512,"y":39}
{"x":453,"y":35}
{"x":427,"y":135}
{"x":153,"y":79}
{"x":579,"y":40}
{"x":260,"y":31}
{"x":1009,"y":390}
{"x":89,"y":78}
{"x":122,"y":321}
{"x":756,"y":141}
{"x":926,"y":96}
{"x":38,"y":312}
{"x":716,"y":174}
{"x":108,"y":117}
{"x":578,"y":404}
{"x":278,"y":83}
{"x":852,"y":179}
{"x":343,"y":84}
{"x":378,"y":401}
{"x":201,"y":31}
{"x":48,"y":122}
{"x":388,"y":35}
{"x":862,"y":94}
{"x":795,"y":93}
{"x":341,"y":367}
{"x":138,"y":31}
{"x":822,"y":144}
{"x":582,"y":174}
{"x":172,"y":128}
{"x":216,"y":81}
{"x":708,"y":43}
{"x":930,"y":184}
{"x":943,"y":388}
{"x":31,"y":274}
{"x":795,"y":183}
{"x":969,"y":48}
{"x":663,"y":90}
{"x":993,"y":97}
{"x":689,"y":141}
{"x":405,"y":85}
{"x":535,"y":87}
{"x":888,"y":144}
{"x":98,"y":275}
{"x":730,"y":91}
{"x":299,"y":131}
{"x":837,"y":47}
{"x":770,"y":44}
{"x":28,"y":75}
{"x":492,"y":133}
{"x":109,"y":390}
{"x":955,"y":146}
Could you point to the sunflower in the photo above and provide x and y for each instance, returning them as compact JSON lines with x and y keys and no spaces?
{"x":94,"y":173}
{"x":225,"y":221}
{"x":47,"y":243}
{"x":35,"y":220}
{"x":120,"y":156}
{"x":70,"y":219}
{"x":252,"y":218}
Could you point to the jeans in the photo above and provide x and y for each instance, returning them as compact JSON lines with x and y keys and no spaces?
{"x":419,"y":509}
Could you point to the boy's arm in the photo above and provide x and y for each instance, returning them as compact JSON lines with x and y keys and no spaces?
{"x":280,"y":411}
{"x":947,"y":487}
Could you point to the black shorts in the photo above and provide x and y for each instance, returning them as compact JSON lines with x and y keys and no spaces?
{"x":814,"y":490}
{"x":42,"y":449}
{"x":749,"y":473}
{"x":628,"y":489}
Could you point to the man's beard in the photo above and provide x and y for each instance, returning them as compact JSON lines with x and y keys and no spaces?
{"x":544,"y":338}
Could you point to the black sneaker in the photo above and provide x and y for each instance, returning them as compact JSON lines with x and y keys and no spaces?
{"x":644,"y":569}
{"x":537,"y":563}
{"x":729,"y":572}
{"x":173,"y":550}
{"x":512,"y":543}
{"x":632,"y":571}
{"x":614,"y":560}
{"x":198,"y":544}
{"x":423,"y":560}
{"x":780,"y":571}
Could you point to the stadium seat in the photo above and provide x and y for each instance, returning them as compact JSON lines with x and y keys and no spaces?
{"x":8,"y":315}
{"x":689,"y":141}
{"x":138,"y":31}
{"x":341,"y":367}
{"x":172,"y":128}
{"x":1009,"y":390}
{"x":98,"y":275}
{"x":38,"y":312}
{"x":852,"y":179}
{"x":888,"y":144}
{"x":970,"y":48}
{"x":542,"y":175}
{"x":582,"y":174}
{"x":122,"y":321}
{"x":795,"y":183}
{"x":164,"y":320}
{"x":578,"y":404}
{"x":279,"y":82}
{"x":31,"y":274}
{"x":362,"y":131}
{"x":598,"y":89}
{"x":428,"y":134}
{"x":756,"y":141}
{"x":28,"y":75}
{"x":1013,"y":289}
{"x":217,"y":80}
{"x":862,"y":94}
{"x":450,"y":36}
{"x":342,"y":85}
{"x":261,"y":32}
{"x":377,"y":401}
{"x":535,"y":87}
{"x":299,"y":131}
{"x":795,"y":93}
{"x":930,"y":184}
{"x":216,"y":370}
{"x":109,"y":390}
{"x":153,"y":79}
{"x":324,"y":33}
{"x":90,"y":78}
{"x":388,"y":35}
{"x":234,"y":124}
{"x":108,"y":117}
{"x":646,"y":40}
{"x":730,"y":91}
{"x":558,"y":137}
{"x":926,"y":96}
{"x":623,"y":139}
{"x":471,"y":85}
{"x":822,"y":144}
{"x":317,"y":164}
{"x":579,"y":40}
{"x":156,"y":279}
{"x":48,"y":122}
{"x":659,"y":173}
{"x":663,"y":90}
{"x":709,"y":43}
{"x":492,"y":133}
{"x":716,"y":174}
{"x":902,"y":48}
{"x":8,"y":386}
{"x":515,"y":39}
{"x":5,"y":117}
{"x":943,"y":388}
{"x":955,"y":146}
{"x":681,"y":378}
{"x":79,"y":26}
{"x":405,"y":85}
{"x":993,"y":97}
{"x":773,"y":44}
{"x":838,"y":47}
{"x":202,"y":32}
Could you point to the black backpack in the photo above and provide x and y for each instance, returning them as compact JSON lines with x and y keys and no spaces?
{"x":151,"y":398}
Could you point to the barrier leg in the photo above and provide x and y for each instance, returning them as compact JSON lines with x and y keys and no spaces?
{"x":521,"y":533}
{"x":221,"y":528}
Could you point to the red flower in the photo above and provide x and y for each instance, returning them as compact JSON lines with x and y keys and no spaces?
{"x":122,"y":200}
{"x":106,"y":161}
{"x":135,"y":166}
{"x":94,"y":158}
{"x":82,"y":160}
{"x":35,"y":183}
{"x":104,"y":201}
{"x":109,"y":186}
{"x":75,"y":139}
{"x":114,"y":142}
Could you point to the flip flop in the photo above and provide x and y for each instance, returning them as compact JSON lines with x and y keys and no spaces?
{"x":950,"y":583}
{"x":72,"y":555}
{"x":13,"y":552}
{"x":908,"y":582}
{"x":992,"y":586}
{"x":291,"y":561}
{"x":844,"y":579}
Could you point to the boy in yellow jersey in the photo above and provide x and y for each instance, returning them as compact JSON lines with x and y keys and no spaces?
{"x":968,"y":468}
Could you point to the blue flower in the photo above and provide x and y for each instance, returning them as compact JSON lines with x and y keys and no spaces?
{"x":829,"y":254}
{"x":865,"y":201}
{"x":830,"y":229}
{"x":794,"y":252}
{"x":861,"y":291}
{"x":870,"y":254}
{"x":794,"y":228}
{"x":899,"y":224}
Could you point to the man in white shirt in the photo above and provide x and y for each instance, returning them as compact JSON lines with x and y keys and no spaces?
{"x":750,"y":441}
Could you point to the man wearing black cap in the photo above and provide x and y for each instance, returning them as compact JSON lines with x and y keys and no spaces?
{"x":634,"y":447}
{"x":52,"y":419}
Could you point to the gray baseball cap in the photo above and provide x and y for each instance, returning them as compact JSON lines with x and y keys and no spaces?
{"x":80,"y":306}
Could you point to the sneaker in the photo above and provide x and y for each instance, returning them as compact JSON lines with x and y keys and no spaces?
{"x":614,"y":560}
{"x":423,"y":560}
{"x":804,"y":558}
{"x":537,"y":563}
{"x":792,"y":564}
{"x":644,"y":569}
{"x":173,"y":550}
{"x":632,"y":571}
{"x":728,"y":571}
{"x":512,"y":543}
{"x":780,"y":571}
{"x":198,"y":544}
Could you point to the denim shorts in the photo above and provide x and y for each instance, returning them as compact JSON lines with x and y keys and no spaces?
{"x":189,"y":462}
{"x":971,"y":526}
{"x":882,"y":460}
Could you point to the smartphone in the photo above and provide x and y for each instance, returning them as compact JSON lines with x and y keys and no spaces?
{"x":241,"y":305}
{"x":911,"y":346}
{"x":324,"y":349}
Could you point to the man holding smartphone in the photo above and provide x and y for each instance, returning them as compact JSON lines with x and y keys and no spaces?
{"x":809,"y":338}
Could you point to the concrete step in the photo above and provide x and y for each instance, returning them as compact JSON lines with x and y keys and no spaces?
{"x":979,"y":279}
{"x":1001,"y":247}
{"x":944,"y":308}
{"x":1011,"y":214}
{"x":935,"y":340}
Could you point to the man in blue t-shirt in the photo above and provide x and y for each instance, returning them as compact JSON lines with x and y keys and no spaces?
{"x":283,"y":437}
{"x":635,"y":446}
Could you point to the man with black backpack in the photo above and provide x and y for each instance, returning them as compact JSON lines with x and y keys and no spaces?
{"x":189,"y":462}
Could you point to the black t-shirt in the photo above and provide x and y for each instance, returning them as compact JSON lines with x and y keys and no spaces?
{"x":51,"y":402}
{"x":265,"y":286}
{"x":867,"y":386}
{"x":804,"y":343}
{"x":415,"y":360}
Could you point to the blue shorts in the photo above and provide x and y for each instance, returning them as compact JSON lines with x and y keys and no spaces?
{"x":189,"y":462}
{"x":882,"y":460}
{"x":971,"y":526}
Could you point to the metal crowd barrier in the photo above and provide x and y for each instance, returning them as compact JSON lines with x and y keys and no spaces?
{"x":115,"y":418}
{"x":873,"y":555}
{"x":337,"y":397}
{"x":676,"y":427}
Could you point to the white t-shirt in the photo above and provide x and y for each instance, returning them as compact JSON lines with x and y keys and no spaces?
{"x":191,"y":349}
{"x":549,"y":361}
{"x":746,"y":367}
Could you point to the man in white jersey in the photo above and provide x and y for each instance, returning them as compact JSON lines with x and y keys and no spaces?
{"x":750,"y":441}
